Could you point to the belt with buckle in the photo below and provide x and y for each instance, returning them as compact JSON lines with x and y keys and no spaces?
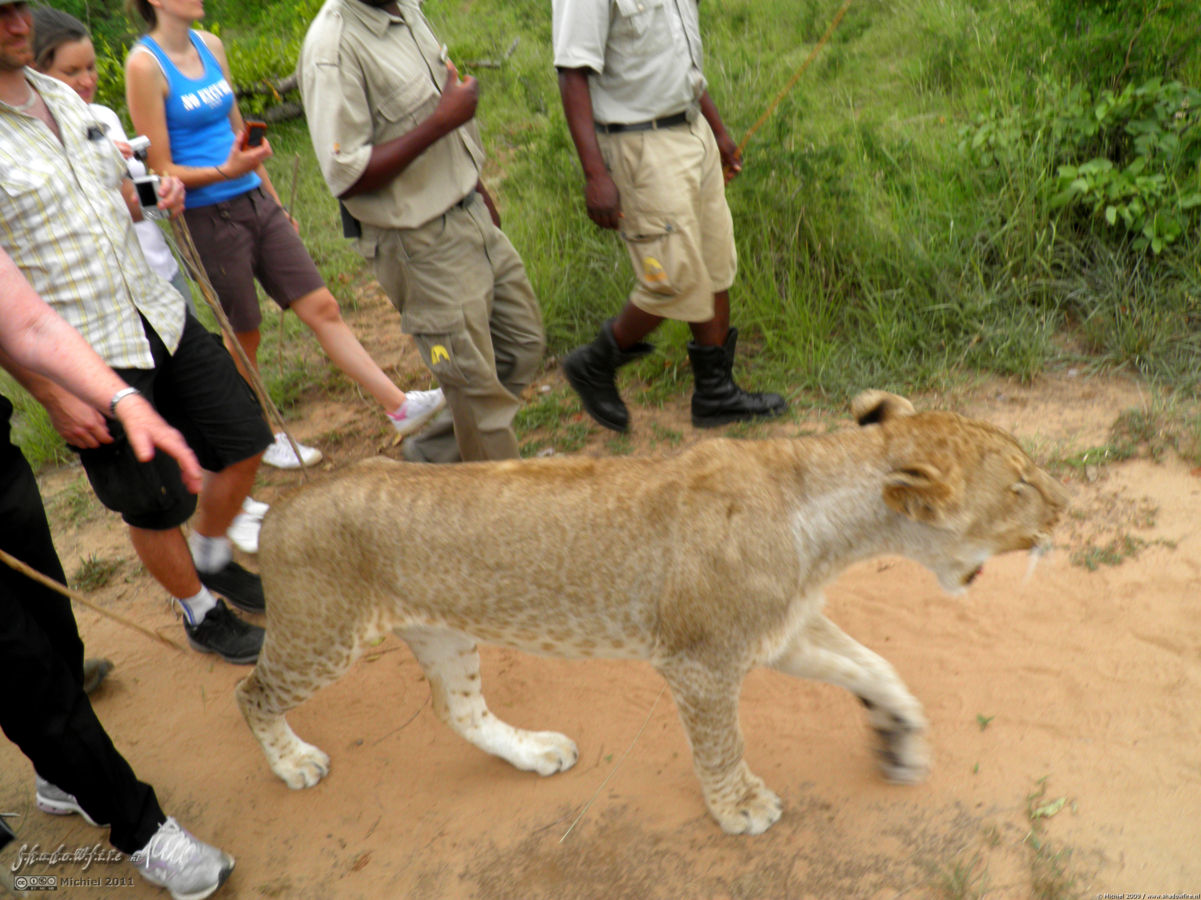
{"x":652,"y":125}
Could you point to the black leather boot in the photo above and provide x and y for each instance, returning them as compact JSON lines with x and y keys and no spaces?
{"x":592,"y":371}
{"x":717,"y":399}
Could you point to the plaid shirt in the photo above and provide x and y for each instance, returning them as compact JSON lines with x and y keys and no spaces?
{"x":64,"y":222}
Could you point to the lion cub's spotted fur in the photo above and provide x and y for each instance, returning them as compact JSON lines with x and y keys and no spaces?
{"x":705,"y":563}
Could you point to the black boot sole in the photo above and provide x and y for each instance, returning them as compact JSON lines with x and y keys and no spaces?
{"x":729,"y":418}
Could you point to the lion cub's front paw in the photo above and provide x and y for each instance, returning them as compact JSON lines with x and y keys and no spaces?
{"x":755,"y":812}
{"x":544,"y":752}
{"x":302,"y":766}
{"x":904,"y":756}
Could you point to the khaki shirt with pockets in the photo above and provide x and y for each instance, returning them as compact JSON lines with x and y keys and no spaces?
{"x":645,"y":55}
{"x":367,"y":77}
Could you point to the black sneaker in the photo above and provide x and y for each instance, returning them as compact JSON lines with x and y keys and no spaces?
{"x":223,"y":633}
{"x":241,"y":588}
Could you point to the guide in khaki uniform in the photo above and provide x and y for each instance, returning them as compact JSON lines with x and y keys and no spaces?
{"x":394,"y":133}
{"x":653,"y":150}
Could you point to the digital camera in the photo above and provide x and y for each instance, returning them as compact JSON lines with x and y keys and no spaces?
{"x":147,"y":188}
{"x":139,"y":145}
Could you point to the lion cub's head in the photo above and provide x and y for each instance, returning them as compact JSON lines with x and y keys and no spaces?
{"x":970,"y":483}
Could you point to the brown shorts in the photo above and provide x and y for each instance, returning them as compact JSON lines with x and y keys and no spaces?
{"x":249,"y":238}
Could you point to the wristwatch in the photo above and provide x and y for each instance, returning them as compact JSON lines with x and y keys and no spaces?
{"x":118,"y":397}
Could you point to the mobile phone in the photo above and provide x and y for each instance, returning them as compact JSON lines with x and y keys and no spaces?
{"x":253,"y":135}
{"x":147,"y":188}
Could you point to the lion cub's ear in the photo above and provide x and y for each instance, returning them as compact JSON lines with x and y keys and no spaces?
{"x":921,"y":492}
{"x":876,"y":407}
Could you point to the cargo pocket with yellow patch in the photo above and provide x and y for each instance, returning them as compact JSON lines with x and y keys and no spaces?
{"x":653,"y":251}
{"x":441,"y":342}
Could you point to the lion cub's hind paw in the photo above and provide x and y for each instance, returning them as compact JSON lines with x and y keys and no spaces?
{"x":544,"y":752}
{"x":753,"y":814}
{"x":302,"y":767}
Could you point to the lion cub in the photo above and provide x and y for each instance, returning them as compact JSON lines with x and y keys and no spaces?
{"x":705,"y":563}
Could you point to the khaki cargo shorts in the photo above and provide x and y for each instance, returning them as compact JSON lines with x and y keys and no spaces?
{"x":676,"y":223}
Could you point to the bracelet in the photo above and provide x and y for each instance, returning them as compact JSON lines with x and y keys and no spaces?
{"x":118,"y":397}
{"x":222,"y":174}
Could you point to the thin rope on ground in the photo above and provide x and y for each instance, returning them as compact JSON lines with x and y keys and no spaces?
{"x":616,"y":766}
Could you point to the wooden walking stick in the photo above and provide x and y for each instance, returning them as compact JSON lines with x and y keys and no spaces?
{"x":771,"y":107}
{"x":75,"y":596}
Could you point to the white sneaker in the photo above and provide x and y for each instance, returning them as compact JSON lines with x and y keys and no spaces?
{"x":418,"y":408}
{"x":190,"y":869}
{"x":281,"y":456}
{"x":254,"y":508}
{"x":244,"y":532}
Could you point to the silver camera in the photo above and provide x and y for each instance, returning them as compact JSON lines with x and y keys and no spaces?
{"x":147,"y":188}
{"x":139,"y":145}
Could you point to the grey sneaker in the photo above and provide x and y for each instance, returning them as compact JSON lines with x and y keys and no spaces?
{"x":57,"y":802}
{"x":190,"y":869}
{"x":94,"y":673}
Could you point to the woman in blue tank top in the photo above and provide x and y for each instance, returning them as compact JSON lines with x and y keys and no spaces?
{"x":178,"y":88}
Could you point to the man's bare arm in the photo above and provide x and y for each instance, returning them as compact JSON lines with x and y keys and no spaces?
{"x":44,"y":352}
{"x":600,"y":193}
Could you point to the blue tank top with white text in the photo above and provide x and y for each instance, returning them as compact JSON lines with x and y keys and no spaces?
{"x":198,"y":122}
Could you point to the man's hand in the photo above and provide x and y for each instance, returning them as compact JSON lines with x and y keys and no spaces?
{"x":146,"y":430}
{"x":79,"y":424}
{"x":459,"y":99}
{"x":731,"y":156}
{"x":603,"y":200}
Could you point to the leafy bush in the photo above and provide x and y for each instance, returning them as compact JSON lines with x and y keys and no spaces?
{"x":1131,"y":157}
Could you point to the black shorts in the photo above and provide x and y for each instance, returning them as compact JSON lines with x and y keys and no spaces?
{"x":199,"y":391}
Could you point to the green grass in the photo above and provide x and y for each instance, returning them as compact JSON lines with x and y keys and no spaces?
{"x":876,"y":249}
{"x":1051,"y":871}
{"x":77,"y":503}
{"x":94,"y":573}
